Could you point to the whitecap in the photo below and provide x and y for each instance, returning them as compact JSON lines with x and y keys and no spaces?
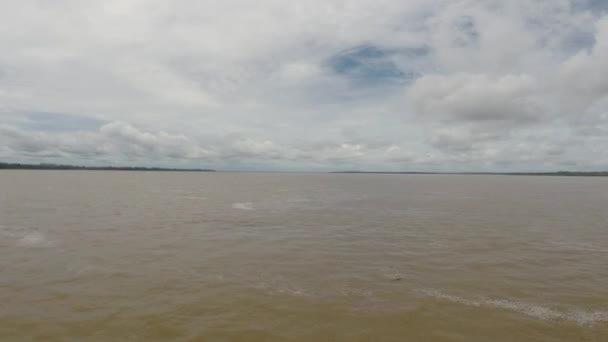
{"x":34,"y":239}
{"x":282,"y":288}
{"x":581,"y":247}
{"x":192,"y":197}
{"x":243,"y":205}
{"x":581,"y":317}
{"x":298,"y":200}
{"x":393,"y":274}
{"x":279,"y":285}
{"x":355,"y":292}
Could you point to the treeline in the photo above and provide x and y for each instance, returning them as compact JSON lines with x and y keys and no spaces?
{"x":19,"y":166}
{"x":558,"y":173}
{"x":563,"y":173}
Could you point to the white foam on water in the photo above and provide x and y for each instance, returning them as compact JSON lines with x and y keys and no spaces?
{"x":12,"y":232}
{"x":580,"y":317}
{"x":582,"y":247}
{"x":282,"y":288}
{"x":78,"y":270}
{"x":291,"y":291}
{"x":298,"y":200}
{"x":192,"y":197}
{"x":437,"y":245}
{"x":355,"y":292}
{"x":243,"y":206}
{"x":393,"y":274}
{"x":279,"y":285}
{"x":34,"y":239}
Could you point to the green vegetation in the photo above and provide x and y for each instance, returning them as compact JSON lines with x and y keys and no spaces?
{"x":18,"y":166}
{"x":558,"y":173}
{"x":563,"y":173}
{"x":45,"y":166}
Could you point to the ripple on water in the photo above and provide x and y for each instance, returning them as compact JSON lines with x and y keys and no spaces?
{"x":25,"y":237}
{"x":393,"y":274}
{"x":34,"y":239}
{"x":243,"y":206}
{"x":581,"y":317}
{"x":281,"y":286}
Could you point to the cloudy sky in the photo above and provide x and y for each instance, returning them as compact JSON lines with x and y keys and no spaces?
{"x":435,"y":85}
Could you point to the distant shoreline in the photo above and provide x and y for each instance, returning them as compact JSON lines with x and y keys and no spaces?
{"x":19,"y":166}
{"x":42,"y":166}
{"x":557,"y":173}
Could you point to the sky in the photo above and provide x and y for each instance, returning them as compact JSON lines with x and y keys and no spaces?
{"x":315,"y":85}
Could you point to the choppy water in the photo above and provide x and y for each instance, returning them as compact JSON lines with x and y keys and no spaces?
{"x":144,"y":256}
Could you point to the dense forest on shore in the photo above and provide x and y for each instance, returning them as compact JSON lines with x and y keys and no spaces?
{"x":557,"y":173}
{"x":43,"y":166}
{"x":19,"y":166}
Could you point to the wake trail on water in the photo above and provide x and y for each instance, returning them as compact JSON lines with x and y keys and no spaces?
{"x":581,"y":317}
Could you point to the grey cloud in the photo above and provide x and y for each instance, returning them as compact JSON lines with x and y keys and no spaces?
{"x":124,"y":138}
{"x":582,"y":73}
{"x":597,"y":6}
{"x":467,"y":32}
{"x":380,"y":84}
{"x":116,"y":139}
{"x":463,"y":139}
{"x":56,"y":122}
{"x":473,"y":111}
{"x":125,"y":143}
{"x":79,"y":144}
{"x":477,"y":98}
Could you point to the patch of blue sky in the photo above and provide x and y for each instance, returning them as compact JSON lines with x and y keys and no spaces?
{"x":468,"y":35}
{"x":370,"y":64}
{"x":578,"y":40}
{"x":56,"y":122}
{"x":595,"y":6}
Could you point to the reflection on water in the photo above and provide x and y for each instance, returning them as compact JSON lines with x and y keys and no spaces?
{"x":257,"y":257}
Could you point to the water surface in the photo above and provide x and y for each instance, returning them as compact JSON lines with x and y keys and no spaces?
{"x":101,"y":256}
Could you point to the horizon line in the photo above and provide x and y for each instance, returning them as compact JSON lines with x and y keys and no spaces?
{"x":67,"y":167}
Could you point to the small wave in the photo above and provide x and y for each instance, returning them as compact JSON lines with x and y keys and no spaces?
{"x":298,"y":200}
{"x":280,"y":285}
{"x":393,"y":274}
{"x":437,"y":245}
{"x":13,"y":232}
{"x":282,"y":289}
{"x":33,"y":239}
{"x":243,"y":205}
{"x":580,"y":317}
{"x":78,"y":270}
{"x":192,"y":197}
{"x":355,"y":292}
{"x":581,"y":247}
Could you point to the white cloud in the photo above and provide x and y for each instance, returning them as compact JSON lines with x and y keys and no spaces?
{"x":382,"y":84}
{"x":477,"y":97}
{"x":582,"y":77}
